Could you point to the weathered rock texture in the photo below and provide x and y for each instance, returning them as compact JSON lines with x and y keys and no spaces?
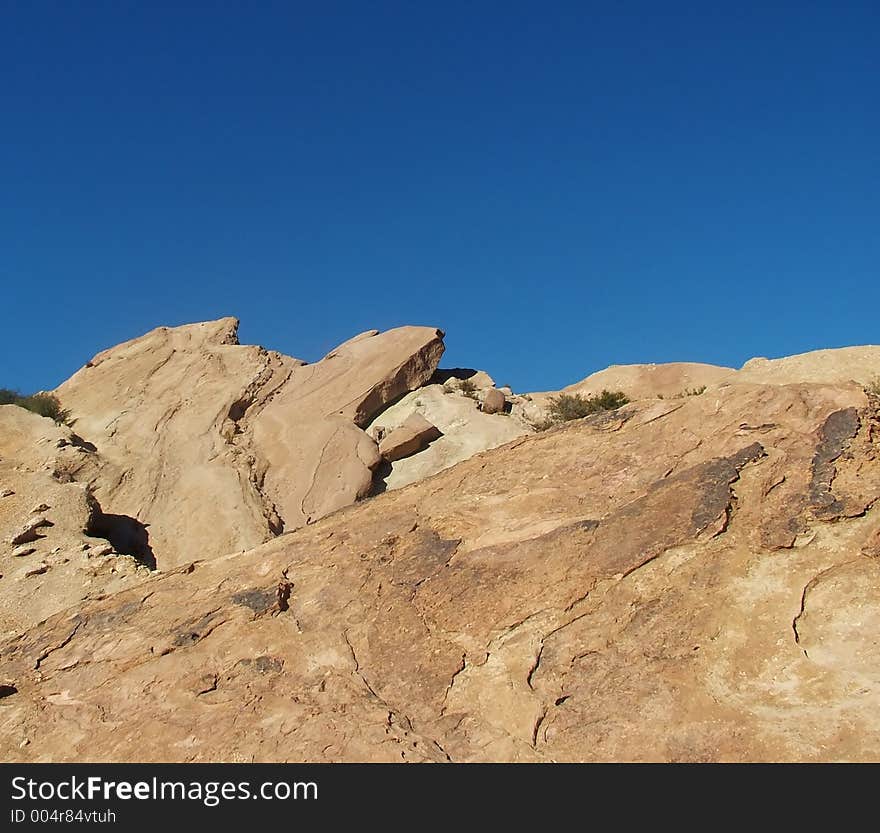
{"x":413,"y":435}
{"x":685,"y":580}
{"x":465,"y":429}
{"x":216,"y":447}
{"x":54,"y":551}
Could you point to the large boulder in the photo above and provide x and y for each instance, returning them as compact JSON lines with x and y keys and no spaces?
{"x":494,"y":402}
{"x":415,"y":434}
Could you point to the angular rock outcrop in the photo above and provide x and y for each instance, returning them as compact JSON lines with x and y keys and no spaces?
{"x":413,"y":435}
{"x":465,"y":429}
{"x":215,"y":447}
{"x":661,"y":583}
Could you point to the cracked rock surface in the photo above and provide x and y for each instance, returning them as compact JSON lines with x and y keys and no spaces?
{"x":682,"y":580}
{"x":216,"y":447}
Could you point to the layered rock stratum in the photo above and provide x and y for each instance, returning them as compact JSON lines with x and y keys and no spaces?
{"x":687,"y":578}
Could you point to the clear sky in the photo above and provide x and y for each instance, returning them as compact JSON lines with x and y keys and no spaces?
{"x":560,"y":186}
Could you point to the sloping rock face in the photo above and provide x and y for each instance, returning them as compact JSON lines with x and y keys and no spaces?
{"x":681,"y":580}
{"x":644,"y":381}
{"x":216,"y":447}
{"x":844,"y":364}
{"x":54,"y":552}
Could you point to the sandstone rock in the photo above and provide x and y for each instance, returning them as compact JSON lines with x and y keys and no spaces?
{"x":646,"y":381}
{"x":494,"y":401}
{"x":203,"y":439}
{"x":312,"y":431}
{"x":29,"y":532}
{"x":40,"y":507}
{"x":6,"y":493}
{"x":687,"y":579}
{"x":580,"y":595}
{"x":414,"y":435}
{"x":841,"y":365}
{"x":35,"y":471}
{"x":465,"y":430}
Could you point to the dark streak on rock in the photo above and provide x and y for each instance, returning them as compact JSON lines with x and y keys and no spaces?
{"x":258,"y":600}
{"x":263,"y":664}
{"x":715,"y":480}
{"x":834,"y":438}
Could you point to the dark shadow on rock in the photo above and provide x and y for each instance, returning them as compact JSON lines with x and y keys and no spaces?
{"x":442,"y":375}
{"x":77,"y":441}
{"x":127,"y":535}
{"x":380,"y":475}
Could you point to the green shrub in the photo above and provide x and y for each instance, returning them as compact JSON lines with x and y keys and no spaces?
{"x":468,"y":388}
{"x":688,"y":392}
{"x":566,"y":406}
{"x":44,"y":404}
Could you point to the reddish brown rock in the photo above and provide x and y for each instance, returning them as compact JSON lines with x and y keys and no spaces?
{"x":494,"y":401}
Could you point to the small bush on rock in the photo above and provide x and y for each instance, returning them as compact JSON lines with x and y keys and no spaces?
{"x":44,"y":404}
{"x":468,"y":388}
{"x":566,"y":406}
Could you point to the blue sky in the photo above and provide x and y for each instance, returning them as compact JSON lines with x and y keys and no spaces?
{"x":560,"y":186}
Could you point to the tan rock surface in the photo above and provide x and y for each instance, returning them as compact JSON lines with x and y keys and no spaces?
{"x":412,"y":436}
{"x":679,"y":580}
{"x":466,"y":431}
{"x":316,"y":457}
{"x":678,"y":379}
{"x":48,"y":523}
{"x":844,"y":364}
{"x":216,"y":446}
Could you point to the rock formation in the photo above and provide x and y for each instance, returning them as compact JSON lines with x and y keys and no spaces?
{"x":54,"y":550}
{"x":413,"y":435}
{"x":216,"y":447}
{"x":465,"y":430}
{"x":692,"y":578}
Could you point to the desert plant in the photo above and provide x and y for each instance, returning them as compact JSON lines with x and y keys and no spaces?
{"x":689,"y":392}
{"x":566,"y":406}
{"x":468,"y":388}
{"x":44,"y":404}
{"x":873,"y":387}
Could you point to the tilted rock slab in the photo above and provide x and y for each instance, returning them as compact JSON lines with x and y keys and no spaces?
{"x":216,"y":447}
{"x":412,"y":436}
{"x":688,"y":580}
